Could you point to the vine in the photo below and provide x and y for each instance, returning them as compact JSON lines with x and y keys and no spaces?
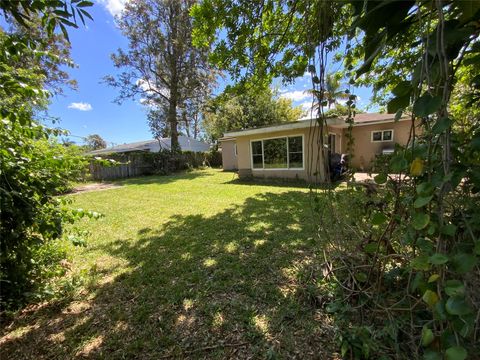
{"x":423,"y":237}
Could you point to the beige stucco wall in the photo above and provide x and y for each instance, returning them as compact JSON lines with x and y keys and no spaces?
{"x":229,"y":159}
{"x":312,"y":171}
{"x":364,"y":149}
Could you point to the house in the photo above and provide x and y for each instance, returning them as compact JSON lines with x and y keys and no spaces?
{"x":186,"y":144}
{"x":292,"y":150}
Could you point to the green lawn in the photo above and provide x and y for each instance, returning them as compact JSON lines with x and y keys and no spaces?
{"x":194,"y":265}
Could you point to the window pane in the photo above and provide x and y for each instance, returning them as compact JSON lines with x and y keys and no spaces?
{"x":256,"y":147}
{"x":377,"y":136}
{"x":295,"y":144}
{"x":387,"y":135}
{"x":296,"y":160}
{"x":331,"y":142}
{"x":275,"y":153}
{"x":295,"y":149}
{"x":257,"y":162}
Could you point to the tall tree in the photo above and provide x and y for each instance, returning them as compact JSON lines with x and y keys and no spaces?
{"x":161,"y":66}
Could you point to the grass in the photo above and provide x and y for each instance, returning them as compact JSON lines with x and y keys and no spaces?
{"x":195,"y":265}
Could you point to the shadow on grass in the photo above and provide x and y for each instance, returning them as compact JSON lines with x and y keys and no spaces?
{"x":225,"y":286}
{"x":162,"y":179}
{"x":290,"y":183}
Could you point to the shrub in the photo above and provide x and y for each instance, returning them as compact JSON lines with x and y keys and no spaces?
{"x":34,"y":169}
{"x":147,"y":163}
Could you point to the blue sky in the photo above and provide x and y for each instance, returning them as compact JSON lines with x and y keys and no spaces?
{"x":90,"y":109}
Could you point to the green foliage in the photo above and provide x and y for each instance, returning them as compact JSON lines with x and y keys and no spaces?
{"x":265,"y":41}
{"x":52,"y":66}
{"x":95,"y":142}
{"x":242,"y":108}
{"x":466,"y":93}
{"x":433,"y":203}
{"x":340,"y":110}
{"x":333,"y":90}
{"x":34,"y":169}
{"x":162,"y":162}
{"x":357,"y":343}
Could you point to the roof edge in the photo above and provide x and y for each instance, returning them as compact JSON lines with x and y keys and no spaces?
{"x":338,"y":122}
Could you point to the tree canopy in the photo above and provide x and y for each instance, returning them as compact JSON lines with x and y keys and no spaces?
{"x":95,"y":142}
{"x":241,"y":109}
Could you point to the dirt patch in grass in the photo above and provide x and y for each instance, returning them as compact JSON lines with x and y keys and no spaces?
{"x":94,"y":187}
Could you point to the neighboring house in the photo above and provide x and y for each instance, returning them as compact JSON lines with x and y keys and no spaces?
{"x":186,"y":144}
{"x":292,"y":150}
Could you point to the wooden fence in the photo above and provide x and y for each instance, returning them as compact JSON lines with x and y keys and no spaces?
{"x":137,"y":164}
{"x":129,"y":168}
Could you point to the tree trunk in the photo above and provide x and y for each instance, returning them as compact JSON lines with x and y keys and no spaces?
{"x":172,"y":109}
{"x":172,"y":119}
{"x":196,"y":129}
{"x":186,"y":122}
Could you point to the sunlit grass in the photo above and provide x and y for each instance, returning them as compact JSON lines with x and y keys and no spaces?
{"x":186,"y":262}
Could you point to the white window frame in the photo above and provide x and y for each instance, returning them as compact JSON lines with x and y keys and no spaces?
{"x":382,"y":131}
{"x":335,"y":145}
{"x":288,"y":158}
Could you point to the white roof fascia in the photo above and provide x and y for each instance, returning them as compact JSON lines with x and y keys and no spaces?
{"x":366,"y":123}
{"x":334,"y":122}
{"x":226,"y":138}
{"x":296,"y":125}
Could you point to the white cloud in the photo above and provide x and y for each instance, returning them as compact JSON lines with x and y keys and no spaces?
{"x":80,"y":106}
{"x":306,"y":105}
{"x":344,"y":101}
{"x":114,"y":7}
{"x":144,"y":85}
{"x":151,"y":90}
{"x":296,"y":95}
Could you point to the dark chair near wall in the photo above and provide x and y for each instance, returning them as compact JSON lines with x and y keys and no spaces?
{"x":338,"y":164}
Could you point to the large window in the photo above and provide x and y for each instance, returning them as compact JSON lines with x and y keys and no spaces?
{"x":278,"y":153}
{"x":275,"y":153}
{"x":382,"y":135}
